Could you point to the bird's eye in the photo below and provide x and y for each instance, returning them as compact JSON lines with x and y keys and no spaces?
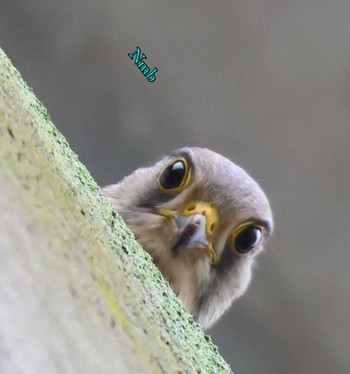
{"x":246,"y":237}
{"x":175,"y":176}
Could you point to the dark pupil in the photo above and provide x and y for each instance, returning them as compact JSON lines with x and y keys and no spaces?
{"x":173,"y":175}
{"x":247,"y":239}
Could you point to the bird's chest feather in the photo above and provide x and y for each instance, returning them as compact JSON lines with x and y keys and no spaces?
{"x":187,"y":276}
{"x":188,"y":271}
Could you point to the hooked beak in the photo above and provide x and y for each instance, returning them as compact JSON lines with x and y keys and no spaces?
{"x":195,"y":227}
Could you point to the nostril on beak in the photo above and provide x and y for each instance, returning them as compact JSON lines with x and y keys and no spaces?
{"x":203,"y":211}
{"x":191,"y":208}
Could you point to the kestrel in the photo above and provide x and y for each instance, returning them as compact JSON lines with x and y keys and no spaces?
{"x":203,"y":220}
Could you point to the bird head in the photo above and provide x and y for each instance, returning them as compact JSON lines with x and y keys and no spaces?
{"x":203,"y":220}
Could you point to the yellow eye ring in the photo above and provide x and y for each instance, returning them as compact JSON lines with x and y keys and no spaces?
{"x":245,"y":237}
{"x":175,"y":176}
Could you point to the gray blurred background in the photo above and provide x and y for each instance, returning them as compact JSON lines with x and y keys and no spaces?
{"x":266,"y":83}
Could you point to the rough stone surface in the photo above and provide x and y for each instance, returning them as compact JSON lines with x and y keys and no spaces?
{"x":78,"y":294}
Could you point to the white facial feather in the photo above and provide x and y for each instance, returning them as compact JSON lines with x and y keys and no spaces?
{"x":207,"y":290}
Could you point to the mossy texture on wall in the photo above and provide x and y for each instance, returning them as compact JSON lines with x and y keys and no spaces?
{"x":78,"y":293}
